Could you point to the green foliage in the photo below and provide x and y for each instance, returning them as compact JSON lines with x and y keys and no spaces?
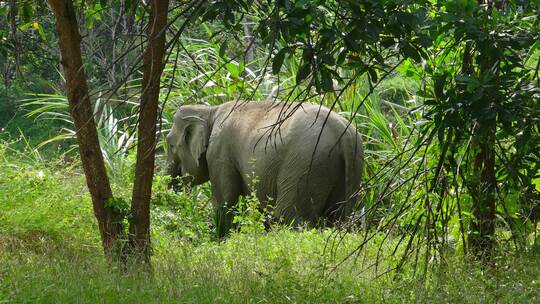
{"x":50,"y":252}
{"x":185,"y":215}
{"x":476,"y":72}
{"x":210,"y":74}
{"x":43,"y":199}
{"x":329,"y":35}
{"x":115,"y":133}
{"x":119,"y":205}
{"x":487,"y":102}
{"x":250,"y":217}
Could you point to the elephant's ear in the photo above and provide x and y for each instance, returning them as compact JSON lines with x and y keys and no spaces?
{"x":197,"y":136}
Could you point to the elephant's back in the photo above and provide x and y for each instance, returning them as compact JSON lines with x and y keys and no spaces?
{"x":275,"y":129}
{"x":277,"y":124}
{"x":315,"y":123}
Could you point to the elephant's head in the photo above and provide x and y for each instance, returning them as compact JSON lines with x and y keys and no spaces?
{"x":187,"y":143}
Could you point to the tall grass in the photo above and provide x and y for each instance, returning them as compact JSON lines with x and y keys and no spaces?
{"x":50,"y":253}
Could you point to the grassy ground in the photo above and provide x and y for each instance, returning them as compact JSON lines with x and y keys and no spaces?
{"x":50,"y":253}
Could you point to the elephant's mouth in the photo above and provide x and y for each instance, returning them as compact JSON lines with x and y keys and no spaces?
{"x":175,"y":171}
{"x":178,"y":180}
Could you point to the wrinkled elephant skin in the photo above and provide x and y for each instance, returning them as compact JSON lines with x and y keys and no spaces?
{"x":310,"y":172}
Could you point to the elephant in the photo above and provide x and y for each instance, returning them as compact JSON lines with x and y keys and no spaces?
{"x":306,"y":159}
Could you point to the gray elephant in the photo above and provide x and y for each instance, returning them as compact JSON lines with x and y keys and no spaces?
{"x":306,"y":159}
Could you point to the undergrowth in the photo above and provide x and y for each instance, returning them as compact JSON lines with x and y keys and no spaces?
{"x":50,"y":253}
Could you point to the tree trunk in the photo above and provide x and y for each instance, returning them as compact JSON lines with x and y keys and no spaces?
{"x":142,"y":188}
{"x":248,"y":38}
{"x":484,"y":181}
{"x":482,"y":238}
{"x":12,"y":15}
{"x":109,"y":221}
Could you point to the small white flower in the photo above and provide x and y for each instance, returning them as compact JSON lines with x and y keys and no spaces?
{"x":40,"y":174}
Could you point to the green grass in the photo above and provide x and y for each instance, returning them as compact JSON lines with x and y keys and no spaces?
{"x":50,"y":253}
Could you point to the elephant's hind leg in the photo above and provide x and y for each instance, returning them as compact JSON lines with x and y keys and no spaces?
{"x":301,"y":199}
{"x":337,"y":206}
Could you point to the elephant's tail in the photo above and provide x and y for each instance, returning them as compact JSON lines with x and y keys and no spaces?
{"x":353,"y":154}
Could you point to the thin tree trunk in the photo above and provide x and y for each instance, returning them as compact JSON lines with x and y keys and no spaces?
{"x":142,"y":188}
{"x":12,"y":14}
{"x":80,"y":108}
{"x":482,"y":239}
{"x":484,"y":181}
{"x":248,"y":38}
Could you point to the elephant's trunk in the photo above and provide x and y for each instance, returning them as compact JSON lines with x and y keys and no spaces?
{"x":173,"y":169}
{"x":178,"y":179}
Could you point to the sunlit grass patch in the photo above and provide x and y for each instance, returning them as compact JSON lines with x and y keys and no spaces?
{"x":280,"y":267}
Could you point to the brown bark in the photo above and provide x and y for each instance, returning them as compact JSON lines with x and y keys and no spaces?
{"x":482,"y":239}
{"x":144,"y":170}
{"x":484,"y":182}
{"x":80,"y":108}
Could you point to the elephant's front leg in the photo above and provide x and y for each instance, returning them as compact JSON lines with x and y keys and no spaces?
{"x":223,"y":218}
{"x":227,"y":188}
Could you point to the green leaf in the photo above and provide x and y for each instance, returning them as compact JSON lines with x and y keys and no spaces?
{"x":27,"y":11}
{"x":328,"y":59}
{"x":351,"y":43}
{"x":40,"y":30}
{"x":89,"y":22}
{"x":411,"y":52}
{"x":118,"y":205}
{"x":424,"y":40}
{"x":440,"y":134}
{"x":223,"y":49}
{"x":439,"y":86}
{"x":128,"y":5}
{"x":387,"y":42}
{"x":25,"y":26}
{"x":303,"y":72}
{"x":407,"y":18}
{"x":342,"y":56}
{"x":326,"y":81}
{"x":96,"y":13}
{"x":278,"y":60}
{"x":372,"y":74}
{"x":234,"y":69}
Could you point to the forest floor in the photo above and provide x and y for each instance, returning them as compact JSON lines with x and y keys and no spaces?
{"x":50,"y":253}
